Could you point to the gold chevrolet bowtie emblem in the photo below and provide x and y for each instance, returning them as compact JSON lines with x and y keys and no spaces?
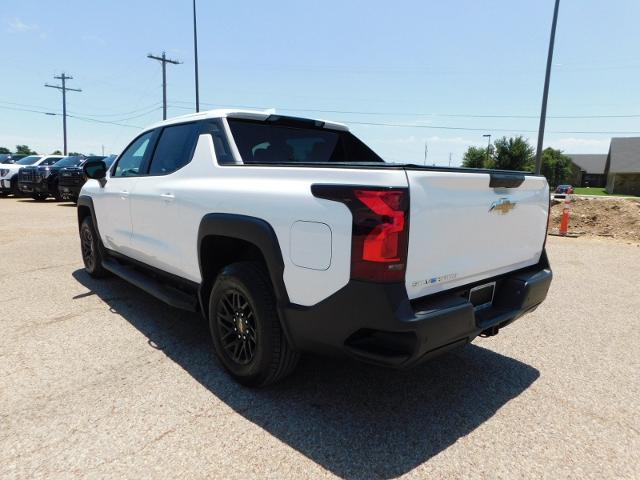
{"x":502,"y":206}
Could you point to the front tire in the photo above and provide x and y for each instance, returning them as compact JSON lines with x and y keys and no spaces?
{"x":91,"y":250}
{"x":56,"y":193}
{"x":39,"y":197}
{"x":245,"y":327}
{"x":15,"y":190}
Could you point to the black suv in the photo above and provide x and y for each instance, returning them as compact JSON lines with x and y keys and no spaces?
{"x":41,"y":182}
{"x":71,"y":179}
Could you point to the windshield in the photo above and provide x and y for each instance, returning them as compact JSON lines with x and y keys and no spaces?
{"x":30,"y":160}
{"x":70,"y":161}
{"x":297,"y":141}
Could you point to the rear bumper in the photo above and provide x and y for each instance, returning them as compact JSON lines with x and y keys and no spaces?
{"x":379,"y":324}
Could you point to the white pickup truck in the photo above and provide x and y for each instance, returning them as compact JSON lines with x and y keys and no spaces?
{"x":290,"y":235}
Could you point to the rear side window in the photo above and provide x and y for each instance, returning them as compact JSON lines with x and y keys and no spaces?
{"x":271,"y":142}
{"x":130,"y":162}
{"x":220,"y":144}
{"x":174,"y":149}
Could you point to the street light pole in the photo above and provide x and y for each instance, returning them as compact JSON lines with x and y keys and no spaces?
{"x":195,"y":52}
{"x":545,"y":92}
{"x":488,"y":146}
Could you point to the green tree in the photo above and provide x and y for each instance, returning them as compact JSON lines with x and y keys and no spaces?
{"x":513,"y":153}
{"x":556,"y":166}
{"x":56,"y":152}
{"x":4,"y":150}
{"x":25,"y":150}
{"x":74,"y":154}
{"x":475,"y":157}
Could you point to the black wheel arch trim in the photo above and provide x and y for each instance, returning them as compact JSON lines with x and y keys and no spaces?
{"x":84,"y":201}
{"x":257,"y":232}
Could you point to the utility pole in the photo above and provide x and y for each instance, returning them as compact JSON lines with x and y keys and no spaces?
{"x":449,"y":158}
{"x":64,"y":89}
{"x":164,"y":60}
{"x":545,"y":92}
{"x":488,"y":147}
{"x":426,"y":150}
{"x":195,"y":52}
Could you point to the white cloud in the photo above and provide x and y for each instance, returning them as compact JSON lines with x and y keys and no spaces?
{"x":16,"y":25}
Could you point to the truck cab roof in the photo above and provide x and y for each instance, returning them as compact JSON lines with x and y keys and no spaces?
{"x":258,"y":115}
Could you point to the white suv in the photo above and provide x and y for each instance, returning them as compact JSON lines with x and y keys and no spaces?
{"x":9,"y":172}
{"x":290,"y":235}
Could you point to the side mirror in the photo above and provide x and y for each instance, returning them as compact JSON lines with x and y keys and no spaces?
{"x":95,"y":169}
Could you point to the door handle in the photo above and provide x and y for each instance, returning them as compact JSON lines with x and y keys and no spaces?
{"x":124,"y":194}
{"x":168,"y":197}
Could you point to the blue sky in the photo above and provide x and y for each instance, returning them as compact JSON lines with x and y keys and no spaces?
{"x":418,"y":64}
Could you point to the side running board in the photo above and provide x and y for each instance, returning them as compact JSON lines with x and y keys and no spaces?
{"x":161,"y":291}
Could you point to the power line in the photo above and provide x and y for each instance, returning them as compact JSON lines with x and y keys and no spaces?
{"x":145,"y":111}
{"x":153,"y":107}
{"x":16,"y":109}
{"x":64,"y":89}
{"x":164,"y":60}
{"x":420,"y":114}
{"x":354,"y":122}
{"x":105,"y":122}
{"x":441,"y":127}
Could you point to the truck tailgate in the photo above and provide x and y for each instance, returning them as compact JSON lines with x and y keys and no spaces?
{"x":461,"y":230}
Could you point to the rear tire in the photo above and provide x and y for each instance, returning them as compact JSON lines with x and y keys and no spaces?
{"x":39,"y":197}
{"x":91,"y":249}
{"x":245,"y":326}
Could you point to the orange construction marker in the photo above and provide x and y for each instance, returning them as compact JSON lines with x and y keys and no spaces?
{"x":564,"y":222}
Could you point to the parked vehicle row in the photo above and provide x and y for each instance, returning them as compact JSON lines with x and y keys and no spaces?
{"x":44,"y":176}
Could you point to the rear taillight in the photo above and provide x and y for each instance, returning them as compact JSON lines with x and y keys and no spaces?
{"x":380,"y":230}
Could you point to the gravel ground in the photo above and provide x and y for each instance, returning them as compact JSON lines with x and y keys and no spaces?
{"x":99,"y":380}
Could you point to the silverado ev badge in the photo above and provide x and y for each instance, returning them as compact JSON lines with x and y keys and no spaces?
{"x":502,"y":206}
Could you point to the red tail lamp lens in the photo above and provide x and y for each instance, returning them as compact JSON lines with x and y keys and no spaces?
{"x":380,"y":229}
{"x":382,"y":242}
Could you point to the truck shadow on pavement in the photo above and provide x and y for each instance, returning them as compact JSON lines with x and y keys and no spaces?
{"x":355,"y":420}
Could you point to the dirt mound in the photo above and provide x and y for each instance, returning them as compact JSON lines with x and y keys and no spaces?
{"x":619,"y":218}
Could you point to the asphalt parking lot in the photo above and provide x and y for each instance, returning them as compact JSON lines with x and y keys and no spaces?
{"x":98,"y":379}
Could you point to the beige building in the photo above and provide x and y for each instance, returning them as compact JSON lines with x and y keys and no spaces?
{"x":622,"y":169}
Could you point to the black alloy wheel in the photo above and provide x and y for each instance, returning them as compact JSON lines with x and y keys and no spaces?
{"x":86,"y":244}
{"x":90,"y":249}
{"x":236,"y":321}
{"x":245,"y":326}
